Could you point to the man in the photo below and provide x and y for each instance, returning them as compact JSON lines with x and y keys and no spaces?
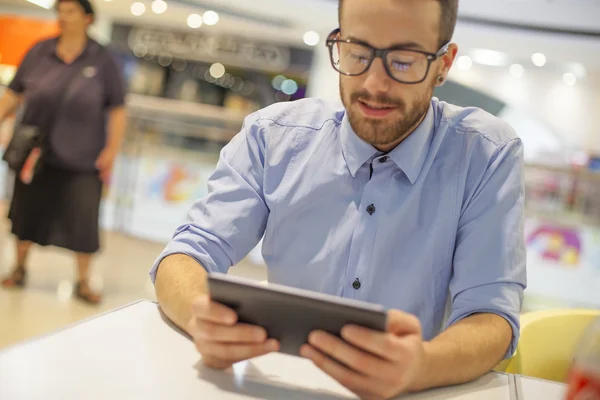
{"x":398,"y":199}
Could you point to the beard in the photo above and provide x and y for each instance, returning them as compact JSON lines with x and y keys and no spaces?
{"x":380,"y":132}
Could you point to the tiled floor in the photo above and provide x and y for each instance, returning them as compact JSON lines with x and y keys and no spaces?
{"x":121,"y":270}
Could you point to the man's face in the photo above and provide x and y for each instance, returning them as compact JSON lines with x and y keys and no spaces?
{"x":383,"y":24}
{"x":72,"y":17}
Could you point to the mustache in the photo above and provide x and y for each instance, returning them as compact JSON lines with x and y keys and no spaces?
{"x":379,"y":99}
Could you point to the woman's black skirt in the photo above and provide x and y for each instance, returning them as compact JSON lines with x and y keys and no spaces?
{"x":59,"y":208}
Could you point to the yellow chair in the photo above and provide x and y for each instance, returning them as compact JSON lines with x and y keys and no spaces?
{"x":548,"y":342}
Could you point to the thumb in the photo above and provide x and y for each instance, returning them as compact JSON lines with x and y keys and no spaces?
{"x":401,"y":323}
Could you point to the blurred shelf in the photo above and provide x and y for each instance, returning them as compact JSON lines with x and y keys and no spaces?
{"x":162,"y":106}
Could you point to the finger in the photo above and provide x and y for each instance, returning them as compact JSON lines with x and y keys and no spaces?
{"x":215,"y":363}
{"x":239,"y":333}
{"x":388,"y":346}
{"x":352,"y":357}
{"x":352,"y":380}
{"x":208,"y":310}
{"x":228,"y":352}
{"x":402,"y":323}
{"x":100,"y":161}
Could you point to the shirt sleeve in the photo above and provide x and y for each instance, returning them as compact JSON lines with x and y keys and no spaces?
{"x":114,"y":84}
{"x":223,"y":227}
{"x":18,"y":84}
{"x":489,"y":273}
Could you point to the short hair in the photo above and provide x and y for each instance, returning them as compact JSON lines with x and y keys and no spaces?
{"x":447,"y":21}
{"x":87,"y":6}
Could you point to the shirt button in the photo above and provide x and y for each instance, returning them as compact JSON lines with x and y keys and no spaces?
{"x":371,"y":209}
{"x":383,"y":159}
{"x":356,"y":284}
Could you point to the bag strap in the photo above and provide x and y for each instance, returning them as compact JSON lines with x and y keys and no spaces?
{"x":98,"y":51}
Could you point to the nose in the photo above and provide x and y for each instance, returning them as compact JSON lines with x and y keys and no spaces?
{"x":377,"y":80}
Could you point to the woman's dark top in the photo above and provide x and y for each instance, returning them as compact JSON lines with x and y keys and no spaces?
{"x":78,"y":134}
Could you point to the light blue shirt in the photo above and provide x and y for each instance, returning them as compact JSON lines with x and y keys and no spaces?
{"x":434,"y":228}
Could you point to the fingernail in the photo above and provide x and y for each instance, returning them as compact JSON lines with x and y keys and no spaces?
{"x":348,"y":331}
{"x":272,"y":345}
{"x":306,"y":351}
{"x":230,"y":319}
{"x":259,"y":334}
{"x":315,"y":338}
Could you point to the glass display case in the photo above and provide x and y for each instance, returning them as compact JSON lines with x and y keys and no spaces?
{"x":171,"y":149}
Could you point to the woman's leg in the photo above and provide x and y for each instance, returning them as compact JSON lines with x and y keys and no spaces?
{"x":83,"y":267}
{"x":23,"y":248}
{"x":17,"y":276}
{"x":83,"y":290}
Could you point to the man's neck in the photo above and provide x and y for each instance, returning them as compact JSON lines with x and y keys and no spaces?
{"x":72,"y":44}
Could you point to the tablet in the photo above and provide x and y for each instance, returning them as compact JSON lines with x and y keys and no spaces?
{"x":289,"y":314}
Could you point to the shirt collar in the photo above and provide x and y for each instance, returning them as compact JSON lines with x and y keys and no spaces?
{"x":409,"y":155}
{"x":356,"y":151}
{"x":54,"y":42}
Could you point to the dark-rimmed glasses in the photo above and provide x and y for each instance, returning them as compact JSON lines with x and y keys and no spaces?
{"x":352,"y":58}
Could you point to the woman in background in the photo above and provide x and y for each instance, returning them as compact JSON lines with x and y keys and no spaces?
{"x":60,"y":207}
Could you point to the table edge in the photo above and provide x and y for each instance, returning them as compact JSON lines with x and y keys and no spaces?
{"x":72,"y":325}
{"x":535,"y":378}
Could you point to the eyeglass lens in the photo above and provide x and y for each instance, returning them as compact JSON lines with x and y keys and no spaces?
{"x":354,"y":59}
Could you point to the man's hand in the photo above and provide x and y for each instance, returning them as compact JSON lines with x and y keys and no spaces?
{"x":105,"y":162}
{"x":374,"y":365}
{"x":221,"y":340}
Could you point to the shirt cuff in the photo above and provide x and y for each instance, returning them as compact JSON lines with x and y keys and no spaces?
{"x":504,"y":301}
{"x":180,"y":248}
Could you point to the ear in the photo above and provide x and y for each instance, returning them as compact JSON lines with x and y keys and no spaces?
{"x":447,"y":60}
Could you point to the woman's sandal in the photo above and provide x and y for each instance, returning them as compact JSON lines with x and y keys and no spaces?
{"x":84,"y":293}
{"x":16,"y":279}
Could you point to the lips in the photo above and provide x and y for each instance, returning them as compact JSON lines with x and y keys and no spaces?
{"x":375,"y":110}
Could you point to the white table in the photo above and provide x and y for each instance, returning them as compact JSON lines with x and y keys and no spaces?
{"x":136,"y":353}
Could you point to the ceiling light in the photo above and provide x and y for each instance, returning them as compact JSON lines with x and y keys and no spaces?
{"x":489,"y":57}
{"x":194,"y":21}
{"x":179,"y":65}
{"x":217,"y":70}
{"x":289,"y":87}
{"x":140,"y":50}
{"x":538,"y":59}
{"x":517,"y":70}
{"x":311,"y":38}
{"x":578,"y":70}
{"x":210,"y":18}
{"x":570,"y":79}
{"x":248,"y":88}
{"x":165,"y":59}
{"x":277,"y":81}
{"x":47,"y":4}
{"x":159,"y":6}
{"x":464,"y":62}
{"x":138,"y":8}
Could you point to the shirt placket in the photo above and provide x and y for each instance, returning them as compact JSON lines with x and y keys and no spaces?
{"x":364,"y":235}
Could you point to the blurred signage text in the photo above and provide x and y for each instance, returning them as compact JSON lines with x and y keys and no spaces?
{"x":204,"y":47}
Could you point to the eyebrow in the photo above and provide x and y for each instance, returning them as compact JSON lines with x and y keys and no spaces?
{"x":402,"y":45}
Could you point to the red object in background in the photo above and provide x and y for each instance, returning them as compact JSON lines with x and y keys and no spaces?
{"x":584,"y":378}
{"x":583,"y":385}
{"x":19,"y":34}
